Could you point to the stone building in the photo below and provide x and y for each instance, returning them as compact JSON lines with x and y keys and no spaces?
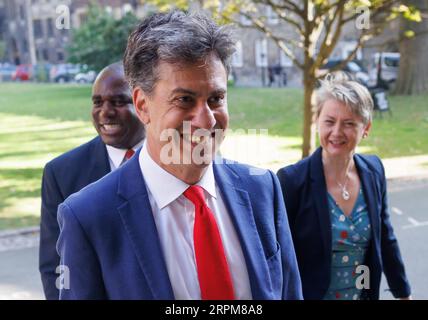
{"x":34,"y":32}
{"x":37,"y":31}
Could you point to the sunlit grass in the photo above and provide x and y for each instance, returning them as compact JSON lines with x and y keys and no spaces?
{"x":39,"y":122}
{"x":22,"y":157}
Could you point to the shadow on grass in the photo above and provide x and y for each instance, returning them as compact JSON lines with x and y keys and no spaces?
{"x":9,"y":192}
{"x":19,"y":197}
{"x":61,"y":102}
{"x":21,"y":174}
{"x":23,"y":154}
{"x":18,"y":222}
{"x":20,"y":184}
{"x":37,"y":131}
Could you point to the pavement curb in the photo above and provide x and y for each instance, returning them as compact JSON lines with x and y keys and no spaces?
{"x":19,"y":232}
{"x":393,"y":184}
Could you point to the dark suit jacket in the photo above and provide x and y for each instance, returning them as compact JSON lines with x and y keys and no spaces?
{"x":63,"y":176}
{"x":111,"y":246}
{"x":305,"y":194}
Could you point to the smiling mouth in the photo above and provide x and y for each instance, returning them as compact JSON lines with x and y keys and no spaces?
{"x":337,"y":143}
{"x":111,"y":128}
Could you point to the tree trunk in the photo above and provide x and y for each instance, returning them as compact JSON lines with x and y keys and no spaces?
{"x":413,"y":69}
{"x":309,"y":129}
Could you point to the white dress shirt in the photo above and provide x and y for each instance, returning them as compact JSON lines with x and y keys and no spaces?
{"x":116,"y":155}
{"x":174,"y":216}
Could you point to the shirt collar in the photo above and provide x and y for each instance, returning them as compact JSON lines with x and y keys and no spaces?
{"x":165,"y":187}
{"x":116,"y":155}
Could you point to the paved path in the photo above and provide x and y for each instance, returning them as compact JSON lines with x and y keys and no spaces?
{"x":409,"y":215}
{"x":19,"y":277}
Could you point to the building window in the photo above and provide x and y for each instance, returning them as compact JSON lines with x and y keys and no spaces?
{"x":83,"y":18}
{"x":45,"y":54}
{"x":284,"y":59}
{"x":50,"y":24}
{"x":60,"y":56}
{"x":126,"y":8}
{"x":237,"y":58}
{"x":245,"y":21}
{"x":272,"y":16}
{"x":261,"y":53}
{"x":22,"y":12}
{"x":25,"y":45}
{"x":37,"y":29}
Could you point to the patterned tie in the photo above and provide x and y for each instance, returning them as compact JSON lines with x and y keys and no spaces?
{"x":214,"y":277}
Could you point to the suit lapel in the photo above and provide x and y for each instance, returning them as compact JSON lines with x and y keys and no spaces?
{"x":137,"y":217}
{"x":99,"y":164}
{"x":368,"y":184}
{"x":238,"y":205}
{"x":319,"y":190}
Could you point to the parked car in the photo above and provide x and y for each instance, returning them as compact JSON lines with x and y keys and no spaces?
{"x":23,"y":72}
{"x":385,"y":66}
{"x":85,"y":77}
{"x":6,"y":71}
{"x":354,"y":67}
{"x":41,"y":72}
{"x":64,"y":72}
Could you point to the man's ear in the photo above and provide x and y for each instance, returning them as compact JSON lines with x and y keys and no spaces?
{"x":141,"y":107}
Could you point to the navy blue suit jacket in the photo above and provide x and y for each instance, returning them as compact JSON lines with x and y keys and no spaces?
{"x":62,"y":177}
{"x":305,"y":193}
{"x":111,"y":247}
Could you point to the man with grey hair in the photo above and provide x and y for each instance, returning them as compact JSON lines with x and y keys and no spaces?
{"x":174,"y":222}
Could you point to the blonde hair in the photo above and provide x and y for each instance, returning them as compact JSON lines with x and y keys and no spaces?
{"x":342,"y":87}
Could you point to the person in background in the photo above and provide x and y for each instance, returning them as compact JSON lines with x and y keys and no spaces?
{"x":337,"y":204}
{"x":120,"y":133}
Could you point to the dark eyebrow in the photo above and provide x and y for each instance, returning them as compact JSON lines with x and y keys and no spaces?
{"x":121,"y":96}
{"x":344,"y":120}
{"x":218,"y":91}
{"x":183,"y":91}
{"x":192,"y":93}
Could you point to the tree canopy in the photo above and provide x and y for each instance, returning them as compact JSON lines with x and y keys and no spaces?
{"x":101,"y":40}
{"x":309,"y":32}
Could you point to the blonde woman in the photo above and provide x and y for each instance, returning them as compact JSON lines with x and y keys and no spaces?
{"x":337,"y":206}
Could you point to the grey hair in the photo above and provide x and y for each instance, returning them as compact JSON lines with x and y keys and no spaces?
{"x":174,"y":37}
{"x":342,"y":87}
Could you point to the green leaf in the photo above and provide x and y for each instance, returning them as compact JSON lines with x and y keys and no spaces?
{"x":409,"y":33}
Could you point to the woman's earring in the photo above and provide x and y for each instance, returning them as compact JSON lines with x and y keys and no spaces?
{"x":365,"y":135}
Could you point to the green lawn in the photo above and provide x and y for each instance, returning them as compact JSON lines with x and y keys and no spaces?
{"x":39,"y":122}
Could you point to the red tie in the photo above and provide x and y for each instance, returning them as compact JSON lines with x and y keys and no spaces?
{"x":129,"y":153}
{"x":213,"y":272}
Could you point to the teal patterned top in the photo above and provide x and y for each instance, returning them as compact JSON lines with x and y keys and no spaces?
{"x":350,"y":240}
